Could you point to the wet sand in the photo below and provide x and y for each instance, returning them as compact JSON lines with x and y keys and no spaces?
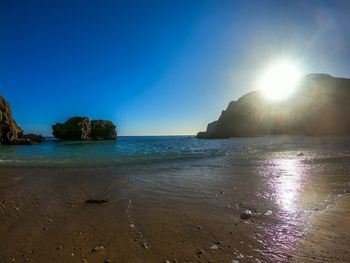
{"x":186,"y":214}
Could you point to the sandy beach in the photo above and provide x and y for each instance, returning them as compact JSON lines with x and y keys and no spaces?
{"x":175,"y":212}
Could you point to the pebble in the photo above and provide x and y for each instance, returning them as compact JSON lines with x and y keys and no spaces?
{"x":108,"y":261}
{"x":269,"y":212}
{"x":200,"y":252}
{"x":167,"y":261}
{"x":98,"y":248}
{"x":246,"y":214}
{"x":240,"y":256}
{"x":214,"y":247}
{"x":59,"y":247}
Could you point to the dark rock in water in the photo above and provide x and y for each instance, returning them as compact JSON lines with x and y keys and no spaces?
{"x":33,"y":137}
{"x":300,"y":154}
{"x":82,"y":129}
{"x":319,"y":106}
{"x":10,"y":132}
{"x":246,"y":214}
{"x":75,"y":128}
{"x":96,"y":201}
{"x":103,"y":130}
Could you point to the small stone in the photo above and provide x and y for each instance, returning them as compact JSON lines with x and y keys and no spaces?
{"x":174,"y":260}
{"x":167,"y":261}
{"x":132,"y":226}
{"x":300,"y":154}
{"x":108,"y":261}
{"x":214,"y":247}
{"x":246,"y":214}
{"x":59,"y":247}
{"x":145,"y":245}
{"x":240,"y":256}
{"x":199,"y":227}
{"x":84,"y":260}
{"x":200,"y":252}
{"x":98,"y":248}
{"x":219,"y":243}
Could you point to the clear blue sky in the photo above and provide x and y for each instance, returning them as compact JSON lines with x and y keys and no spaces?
{"x":156,"y":67}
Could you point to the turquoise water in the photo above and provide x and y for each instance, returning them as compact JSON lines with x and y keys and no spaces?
{"x":138,"y":149}
{"x":125,"y":150}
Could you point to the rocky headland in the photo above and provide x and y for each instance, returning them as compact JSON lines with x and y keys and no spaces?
{"x":84,"y":129}
{"x":10,"y":132}
{"x":319,"y":106}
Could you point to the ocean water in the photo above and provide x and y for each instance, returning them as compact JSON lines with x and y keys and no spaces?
{"x":283,"y":180}
{"x":156,"y":149}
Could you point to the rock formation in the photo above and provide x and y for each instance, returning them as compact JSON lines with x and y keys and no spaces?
{"x":10,"y":132}
{"x":81,"y":128}
{"x":319,"y":106}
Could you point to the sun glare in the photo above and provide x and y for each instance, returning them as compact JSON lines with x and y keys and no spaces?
{"x":280,"y":80}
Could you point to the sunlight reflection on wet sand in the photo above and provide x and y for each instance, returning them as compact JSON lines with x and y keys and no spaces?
{"x":288,"y":184}
{"x":285,"y":177}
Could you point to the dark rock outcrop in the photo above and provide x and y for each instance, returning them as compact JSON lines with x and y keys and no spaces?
{"x":10,"y":132}
{"x":82,"y":129}
{"x":319,"y":106}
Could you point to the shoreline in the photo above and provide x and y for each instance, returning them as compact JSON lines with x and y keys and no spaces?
{"x":45,"y":219}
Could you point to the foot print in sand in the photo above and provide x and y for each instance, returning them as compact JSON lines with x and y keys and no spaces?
{"x":139,"y":236}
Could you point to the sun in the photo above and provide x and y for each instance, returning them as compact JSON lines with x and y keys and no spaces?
{"x":280,"y":80}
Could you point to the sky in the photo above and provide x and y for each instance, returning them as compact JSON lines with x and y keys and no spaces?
{"x":157,"y":67}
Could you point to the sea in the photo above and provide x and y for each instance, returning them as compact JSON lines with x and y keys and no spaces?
{"x":159,"y":149}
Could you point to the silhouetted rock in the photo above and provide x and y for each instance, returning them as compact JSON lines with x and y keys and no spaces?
{"x":81,"y":128}
{"x":10,"y":132}
{"x":33,"y":137}
{"x":103,"y":130}
{"x":319,"y":106}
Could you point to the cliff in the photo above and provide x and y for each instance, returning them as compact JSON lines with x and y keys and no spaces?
{"x":82,"y":129}
{"x":10,"y":132}
{"x":319,"y":106}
